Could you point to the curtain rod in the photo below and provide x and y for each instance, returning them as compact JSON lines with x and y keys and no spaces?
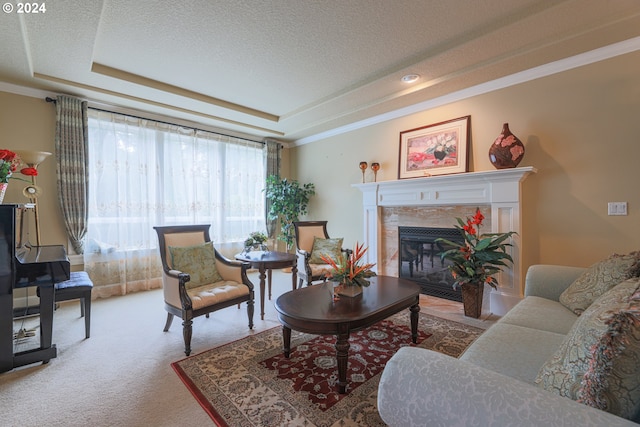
{"x":52,"y":100}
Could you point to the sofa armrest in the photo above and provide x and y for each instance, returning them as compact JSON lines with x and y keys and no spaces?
{"x":421,"y":387}
{"x":549,"y":281}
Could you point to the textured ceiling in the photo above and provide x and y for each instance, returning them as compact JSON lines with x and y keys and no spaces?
{"x":291,"y":69}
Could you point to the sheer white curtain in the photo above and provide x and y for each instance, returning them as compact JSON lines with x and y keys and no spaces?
{"x":144,"y":173}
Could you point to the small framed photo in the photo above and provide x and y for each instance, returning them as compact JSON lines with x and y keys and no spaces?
{"x":437,"y":149}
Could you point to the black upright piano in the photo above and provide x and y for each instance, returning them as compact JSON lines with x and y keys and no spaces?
{"x":23,"y":265}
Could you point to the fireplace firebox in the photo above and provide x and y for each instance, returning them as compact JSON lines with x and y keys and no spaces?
{"x":419,"y":260}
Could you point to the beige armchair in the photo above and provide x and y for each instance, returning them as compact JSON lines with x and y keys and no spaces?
{"x":310,"y":268}
{"x":197,"y":279}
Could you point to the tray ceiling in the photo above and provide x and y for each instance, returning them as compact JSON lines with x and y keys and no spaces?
{"x":292,"y":69}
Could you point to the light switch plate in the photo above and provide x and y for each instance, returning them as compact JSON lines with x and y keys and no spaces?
{"x":617,"y":208}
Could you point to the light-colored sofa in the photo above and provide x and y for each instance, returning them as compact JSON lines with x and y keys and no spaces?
{"x":492,"y":383}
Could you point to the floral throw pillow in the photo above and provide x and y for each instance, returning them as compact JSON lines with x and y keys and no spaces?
{"x":198,"y":261}
{"x":597,"y":364}
{"x":329,"y":248}
{"x":598,"y":279}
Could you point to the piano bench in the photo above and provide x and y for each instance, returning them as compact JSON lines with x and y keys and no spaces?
{"x":78,"y":286}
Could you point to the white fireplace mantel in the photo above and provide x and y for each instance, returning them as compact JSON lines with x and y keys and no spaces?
{"x":501,"y":189}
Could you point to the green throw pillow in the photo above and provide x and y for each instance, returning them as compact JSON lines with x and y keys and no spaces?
{"x":330,"y":248}
{"x":597,"y":363}
{"x":598,"y":279}
{"x":198,"y":261}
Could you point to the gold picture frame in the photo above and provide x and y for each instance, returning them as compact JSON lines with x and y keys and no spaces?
{"x":437,"y":149}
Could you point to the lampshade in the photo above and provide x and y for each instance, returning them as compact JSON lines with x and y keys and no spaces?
{"x":32,"y":158}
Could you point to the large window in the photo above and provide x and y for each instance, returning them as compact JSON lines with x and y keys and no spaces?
{"x":144,"y":173}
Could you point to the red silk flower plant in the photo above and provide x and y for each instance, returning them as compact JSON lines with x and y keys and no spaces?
{"x":9,"y":162}
{"x":348,"y":270}
{"x":480,"y":256}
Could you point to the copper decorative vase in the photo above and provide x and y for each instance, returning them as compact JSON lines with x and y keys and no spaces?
{"x":507,"y":150}
{"x":472,"y":295}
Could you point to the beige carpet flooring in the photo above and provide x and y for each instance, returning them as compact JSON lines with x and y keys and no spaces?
{"x":121,"y":376}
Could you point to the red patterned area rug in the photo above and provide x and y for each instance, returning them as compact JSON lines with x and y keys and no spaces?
{"x":250,"y":383}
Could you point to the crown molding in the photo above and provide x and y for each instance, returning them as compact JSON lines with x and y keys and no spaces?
{"x":545,"y":70}
{"x":25,"y":91}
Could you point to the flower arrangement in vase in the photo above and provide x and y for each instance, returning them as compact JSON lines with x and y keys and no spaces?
{"x":9,"y":163}
{"x":476,"y":260}
{"x":349,"y":271}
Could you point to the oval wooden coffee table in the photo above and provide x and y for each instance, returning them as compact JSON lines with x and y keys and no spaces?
{"x":312,"y":310}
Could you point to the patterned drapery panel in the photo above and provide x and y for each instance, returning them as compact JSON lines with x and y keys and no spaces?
{"x":273,"y":148}
{"x":71,"y":166}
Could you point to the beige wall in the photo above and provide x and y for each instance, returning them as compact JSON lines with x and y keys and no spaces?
{"x":581,"y":130}
{"x":29,"y":123}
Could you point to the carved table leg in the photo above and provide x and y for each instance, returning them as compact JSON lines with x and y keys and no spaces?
{"x":286,"y":341}
{"x":342,"y":356}
{"x":415,"y":309}
{"x":294,"y":275}
{"x":263,"y":276}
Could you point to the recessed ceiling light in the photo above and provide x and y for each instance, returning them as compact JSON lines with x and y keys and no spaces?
{"x":410,"y":78}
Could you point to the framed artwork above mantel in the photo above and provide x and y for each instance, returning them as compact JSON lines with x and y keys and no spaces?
{"x":437,"y":149}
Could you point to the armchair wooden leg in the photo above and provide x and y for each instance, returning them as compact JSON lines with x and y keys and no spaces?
{"x":250,"y":310}
{"x":169,"y":320}
{"x":187,"y":330}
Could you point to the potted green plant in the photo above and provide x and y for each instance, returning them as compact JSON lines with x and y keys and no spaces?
{"x":476,"y":260}
{"x":256,"y":240}
{"x":288,"y":201}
